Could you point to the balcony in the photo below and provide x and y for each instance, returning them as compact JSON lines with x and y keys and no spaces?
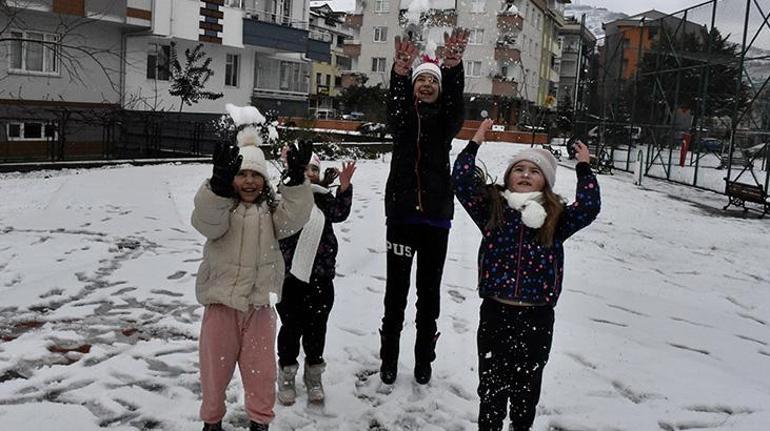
{"x":354,"y":20}
{"x":432,"y":18}
{"x":509,"y":22}
{"x":279,"y":32}
{"x":507,"y":53}
{"x":352,"y":48}
{"x":504,"y":87}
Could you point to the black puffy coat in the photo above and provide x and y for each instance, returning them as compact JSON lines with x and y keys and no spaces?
{"x":419,"y":183}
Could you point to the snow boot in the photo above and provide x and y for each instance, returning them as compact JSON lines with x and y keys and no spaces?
{"x":424,"y":354}
{"x":212,"y":427}
{"x":253,"y":426}
{"x":312,"y":379}
{"x":389,"y":346}
{"x":287,"y":392}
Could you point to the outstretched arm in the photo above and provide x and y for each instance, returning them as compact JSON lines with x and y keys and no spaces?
{"x":453,"y":79}
{"x":400,"y":92}
{"x":587,"y":197}
{"x":469,"y":190}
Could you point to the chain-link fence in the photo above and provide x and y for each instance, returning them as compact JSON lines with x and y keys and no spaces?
{"x":687,"y":92}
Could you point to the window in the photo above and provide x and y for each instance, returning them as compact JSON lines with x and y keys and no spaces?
{"x":473,"y":69}
{"x":378,"y":64}
{"x":34,"y":52}
{"x":291,"y":76}
{"x":476,"y":36}
{"x":31,"y":131}
{"x":232,"y":69}
{"x":328,"y":80}
{"x":340,"y":40}
{"x":318,"y":77}
{"x":234,"y":3}
{"x":381,"y":6}
{"x":477,"y":6}
{"x":158,"y":62}
{"x":380,"y":34}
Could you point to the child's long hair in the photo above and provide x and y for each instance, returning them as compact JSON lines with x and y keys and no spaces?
{"x":553,"y":204}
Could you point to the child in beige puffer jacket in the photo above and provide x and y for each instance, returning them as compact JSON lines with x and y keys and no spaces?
{"x":242,"y":266}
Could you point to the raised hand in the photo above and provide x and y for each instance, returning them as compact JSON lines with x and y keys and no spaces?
{"x":348,"y":169}
{"x":581,"y":152}
{"x":297,"y":158}
{"x":454,"y":46}
{"x":405,"y":54}
{"x":227,"y":163}
{"x":481,"y":132}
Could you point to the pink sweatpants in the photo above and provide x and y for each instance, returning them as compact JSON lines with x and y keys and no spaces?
{"x":229,"y":336}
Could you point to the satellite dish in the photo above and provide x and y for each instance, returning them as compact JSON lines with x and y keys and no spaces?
{"x":484,"y":113}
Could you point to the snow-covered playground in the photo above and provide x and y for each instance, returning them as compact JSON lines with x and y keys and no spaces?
{"x":664,"y":323}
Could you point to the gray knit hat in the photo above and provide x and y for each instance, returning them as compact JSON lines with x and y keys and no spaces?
{"x":542,"y":158}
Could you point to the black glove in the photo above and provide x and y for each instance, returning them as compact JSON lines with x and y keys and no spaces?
{"x":296,"y":160}
{"x":227,"y":163}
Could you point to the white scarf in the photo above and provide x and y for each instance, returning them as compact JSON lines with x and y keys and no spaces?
{"x":529,"y":204}
{"x":309,"y":239}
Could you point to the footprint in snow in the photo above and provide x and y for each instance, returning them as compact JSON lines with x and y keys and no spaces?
{"x":177,"y":275}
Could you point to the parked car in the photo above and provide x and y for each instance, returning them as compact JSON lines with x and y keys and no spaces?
{"x":373,"y":129}
{"x":712,"y":145}
{"x":353,"y":116}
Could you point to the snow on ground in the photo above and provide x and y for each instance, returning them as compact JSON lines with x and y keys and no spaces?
{"x":663,"y":323}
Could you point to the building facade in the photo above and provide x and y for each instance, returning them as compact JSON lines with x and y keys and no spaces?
{"x":505,"y":61}
{"x":577,"y":48}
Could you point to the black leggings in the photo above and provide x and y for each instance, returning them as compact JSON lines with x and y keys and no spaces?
{"x":304,"y":311}
{"x":513,"y":347}
{"x":429,"y":243}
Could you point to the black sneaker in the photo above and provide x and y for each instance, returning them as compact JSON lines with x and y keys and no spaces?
{"x":422,"y":372}
{"x":213,"y":427}
{"x":258,"y":427}
{"x":388,"y":373}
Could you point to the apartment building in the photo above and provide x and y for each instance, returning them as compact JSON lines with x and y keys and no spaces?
{"x":503,"y":61}
{"x":327,"y":75}
{"x":552,"y":22}
{"x":261,"y":49}
{"x":61,"y":69}
{"x":577,"y":47}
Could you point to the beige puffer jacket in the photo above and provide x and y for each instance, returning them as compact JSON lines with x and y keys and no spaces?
{"x":242,"y":262}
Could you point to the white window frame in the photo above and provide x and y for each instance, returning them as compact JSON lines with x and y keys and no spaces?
{"x":378,"y":61}
{"x":381,"y":6}
{"x":474,"y":36}
{"x":48,"y":39}
{"x":472,"y":66}
{"x":380,"y":34}
{"x":23,"y":137}
{"x":235,"y":75}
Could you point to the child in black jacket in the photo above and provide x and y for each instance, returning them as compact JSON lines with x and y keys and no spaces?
{"x":308,"y":289}
{"x":425,"y":112}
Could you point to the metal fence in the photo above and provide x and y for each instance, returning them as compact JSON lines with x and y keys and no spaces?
{"x":687,"y":92}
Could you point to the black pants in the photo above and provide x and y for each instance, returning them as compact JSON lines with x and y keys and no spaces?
{"x":429,"y":243}
{"x":513,"y":347}
{"x":304,"y":311}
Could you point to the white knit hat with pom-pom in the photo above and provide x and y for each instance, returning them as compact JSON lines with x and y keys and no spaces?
{"x":249,"y":138}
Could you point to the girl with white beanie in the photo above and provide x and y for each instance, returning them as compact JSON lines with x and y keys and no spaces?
{"x":241,"y":274}
{"x":521,"y":267}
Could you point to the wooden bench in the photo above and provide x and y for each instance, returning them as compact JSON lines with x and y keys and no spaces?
{"x":740,"y":193}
